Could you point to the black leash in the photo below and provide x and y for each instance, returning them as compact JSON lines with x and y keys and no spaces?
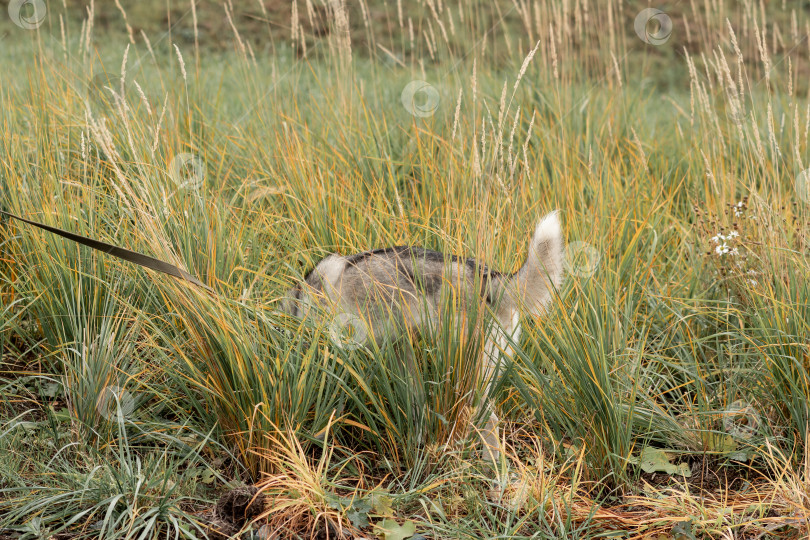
{"x":132,"y":256}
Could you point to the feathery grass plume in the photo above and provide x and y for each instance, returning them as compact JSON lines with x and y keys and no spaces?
{"x":794,"y":26}
{"x":130,"y":32}
{"x":509,"y":161}
{"x":451,"y":23}
{"x":707,"y":63}
{"x":148,"y":45}
{"x":740,"y":59}
{"x":760,"y":149}
{"x":239,"y":42}
{"x":64,"y":37}
{"x":693,"y":84}
{"x":456,"y":115}
{"x":124,"y":73}
{"x":303,"y":40}
{"x":82,"y":34}
{"x":341,"y":41}
{"x":431,"y":4}
{"x":122,"y":108}
{"x":616,"y":69}
{"x":143,"y":97}
{"x":641,"y":154}
{"x":806,"y":123}
{"x":430,"y":43}
{"x":762,"y":47}
{"x":790,"y":78}
{"x":502,"y":108}
{"x":524,"y":12}
{"x":294,"y":24}
{"x":484,"y":134}
{"x":195,"y":25}
{"x":553,"y":48}
{"x":771,"y":131}
{"x":181,"y":62}
{"x":88,"y":28}
{"x":708,"y":168}
{"x":526,"y":146}
{"x":252,"y":54}
{"x":523,"y":67}
{"x":726,"y":82}
{"x":474,"y":82}
{"x":310,"y":13}
{"x":156,"y":136}
{"x":797,"y":157}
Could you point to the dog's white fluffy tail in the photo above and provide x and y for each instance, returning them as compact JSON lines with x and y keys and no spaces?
{"x":542,"y":272}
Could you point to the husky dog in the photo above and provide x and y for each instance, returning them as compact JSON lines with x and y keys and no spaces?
{"x":388,"y":292}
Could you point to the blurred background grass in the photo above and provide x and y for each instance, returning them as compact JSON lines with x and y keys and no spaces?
{"x":665,"y":392}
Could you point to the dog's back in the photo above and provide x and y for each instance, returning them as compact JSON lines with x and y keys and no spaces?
{"x":403,"y":287}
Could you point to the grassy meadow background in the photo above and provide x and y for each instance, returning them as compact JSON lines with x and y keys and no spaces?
{"x":664,"y":395}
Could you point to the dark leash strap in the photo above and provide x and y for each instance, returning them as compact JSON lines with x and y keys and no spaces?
{"x":132,"y":256}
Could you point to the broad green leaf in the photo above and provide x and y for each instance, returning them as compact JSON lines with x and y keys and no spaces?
{"x":388,"y":529}
{"x":381,"y":502}
{"x":358,"y":519}
{"x":207,"y":476}
{"x":656,"y":460}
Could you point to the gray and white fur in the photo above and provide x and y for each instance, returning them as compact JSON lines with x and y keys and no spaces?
{"x":387,"y":292}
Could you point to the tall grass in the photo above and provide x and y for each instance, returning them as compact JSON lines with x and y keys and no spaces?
{"x":247,"y":166}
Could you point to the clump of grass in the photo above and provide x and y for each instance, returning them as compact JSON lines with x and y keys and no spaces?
{"x":255,"y":385}
{"x":127,"y":490}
